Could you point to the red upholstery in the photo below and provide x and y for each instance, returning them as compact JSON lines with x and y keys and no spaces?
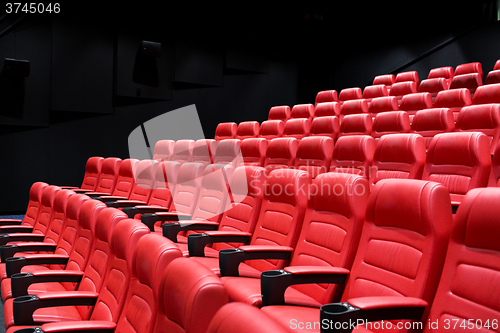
{"x":493,"y":77}
{"x":297,"y":128}
{"x":183,"y":151}
{"x":353,"y":154}
{"x":326,"y":96}
{"x":471,"y":67}
{"x":455,"y":99}
{"x":281,"y":112}
{"x":203,"y":150}
{"x":314,"y":155}
{"x":327,"y":109}
{"x":430,"y":122}
{"x":386,"y":79}
{"x":470,"y":81}
{"x":247,"y":129}
{"x":497,"y":65}
{"x":383,"y":104}
{"x":469,"y":282}
{"x":34,"y":204}
{"x":270,"y":129}
{"x":329,"y":237}
{"x":446,"y":72}
{"x":188,"y":297}
{"x":356,"y":124}
{"x":326,"y":126}
{"x":225,"y":131}
{"x":237,"y":317}
{"x":483,"y":118}
{"x":354,"y":107}
{"x":487,"y":94}
{"x":407,"y":76}
{"x":163,"y":150}
{"x":350,"y":94}
{"x":400,"y":89}
{"x":109,"y":174}
{"x":398,"y":156}
{"x":302,"y":111}
{"x":374,"y":91}
{"x":92,"y":171}
{"x":279,"y":222}
{"x":411,"y":229}
{"x":412,"y":103}
{"x":228,"y":152}
{"x":280,"y":153}
{"x":253,"y":151}
{"x":144,"y":175}
{"x":389,"y":123}
{"x":460,"y":161}
{"x":495,"y":169}
{"x":433,"y":86}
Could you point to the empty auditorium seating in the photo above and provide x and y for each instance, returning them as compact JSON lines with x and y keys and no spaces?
{"x":416,"y":223}
{"x":327,"y":109}
{"x":411,"y":103}
{"x":253,"y":151}
{"x":34,"y":203}
{"x":281,"y":112}
{"x":483,"y":118}
{"x":390,"y":122}
{"x":470,"y":81}
{"x":471,"y":67}
{"x":433,"y":86}
{"x":495,"y":169}
{"x":314,"y":155}
{"x":385,"y":79}
{"x":297,"y":128}
{"x":460,"y":161}
{"x":350,"y":94}
{"x":487,"y":94}
{"x":454,"y":99}
{"x":203,"y":150}
{"x":353,"y":154}
{"x":163,"y":150}
{"x":326,"y":96}
{"x":492,"y":77}
{"x":280,"y":153}
{"x":374,"y":91}
{"x":398,"y":156}
{"x":91,"y":175}
{"x":326,"y":126}
{"x":353,"y":107}
{"x":270,"y":129}
{"x":225,"y":131}
{"x":400,"y":89}
{"x":446,"y":72}
{"x":302,"y":111}
{"x":183,"y":151}
{"x":228,"y":152}
{"x":383,"y":104}
{"x":411,"y":76}
{"x":429,"y":122}
{"x":329,"y":239}
{"x":107,"y":177}
{"x":247,"y":129}
{"x":356,"y":124}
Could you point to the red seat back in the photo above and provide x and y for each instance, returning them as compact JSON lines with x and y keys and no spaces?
{"x":390,"y":123}
{"x":487,"y":94}
{"x":280,"y":153}
{"x":455,"y":99}
{"x":163,"y":150}
{"x":356,"y":124}
{"x":225,"y":131}
{"x":327,"y":109}
{"x":297,"y":128}
{"x":483,"y":118}
{"x":326,"y":126}
{"x":183,"y":151}
{"x":326,"y":96}
{"x":314,"y":154}
{"x":430,"y":122}
{"x":187,"y":188}
{"x":247,"y":129}
{"x":302,"y":111}
{"x":270,"y":129}
{"x":281,"y":112}
{"x":109,"y":174}
{"x":125,"y":181}
{"x":203,"y":150}
{"x":348,"y":94}
{"x":253,"y":151}
{"x":354,"y":107}
{"x":92,"y":171}
{"x":383,"y":104}
{"x":354,"y":155}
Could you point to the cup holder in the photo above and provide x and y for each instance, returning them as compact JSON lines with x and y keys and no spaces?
{"x":335,"y":308}
{"x":15,"y":259}
{"x":23,"y":299}
{"x":229,"y":251}
{"x":20,"y":275}
{"x":274,"y":273}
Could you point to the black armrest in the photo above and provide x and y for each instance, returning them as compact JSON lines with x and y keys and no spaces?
{"x":274,"y":283}
{"x":9,"y":250}
{"x":132,"y":211}
{"x":124,"y":203}
{"x":21,"y":281}
{"x":344,"y":317}
{"x":171,"y":230}
{"x":197,"y":242}
{"x":230,"y":259}
{"x":14,"y":265}
{"x":151,"y":219}
{"x":24,"y":306}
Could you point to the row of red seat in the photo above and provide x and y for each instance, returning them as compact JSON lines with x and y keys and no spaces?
{"x":310,"y":234}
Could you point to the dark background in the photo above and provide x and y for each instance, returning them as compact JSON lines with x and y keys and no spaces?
{"x":89,"y":86}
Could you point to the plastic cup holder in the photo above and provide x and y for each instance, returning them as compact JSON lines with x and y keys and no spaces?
{"x":333,"y":309}
{"x":274,"y":273}
{"x":26,"y":298}
{"x":15,"y":259}
{"x":20,"y":275}
{"x":228,"y":251}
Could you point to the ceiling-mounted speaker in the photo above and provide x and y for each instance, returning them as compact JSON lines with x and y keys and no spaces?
{"x":151,"y":49}
{"x":16,"y":67}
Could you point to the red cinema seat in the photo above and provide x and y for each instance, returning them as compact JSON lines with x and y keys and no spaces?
{"x":354,"y":106}
{"x":434,"y":86}
{"x":383,"y":104}
{"x":270,"y":129}
{"x":348,"y":94}
{"x":90,"y":281}
{"x":412,"y":103}
{"x":203,"y":150}
{"x":446,"y":72}
{"x":471,"y":67}
{"x":275,"y":234}
{"x":280,"y":153}
{"x":460,"y":161}
{"x":430,"y":122}
{"x":354,"y":155}
{"x":389,"y":123}
{"x":327,"y":109}
{"x":326,"y":126}
{"x":183,"y":151}
{"x":356,"y":124}
{"x":326,"y":96}
{"x":495,"y":169}
{"x":281,"y":112}
{"x":253,"y":151}
{"x":374,"y":91}
{"x":247,"y":129}
{"x":399,"y":156}
{"x":163,"y":150}
{"x":314,"y":154}
{"x":91,"y":175}
{"x":401,"y":89}
{"x":493,"y":77}
{"x":302,"y":111}
{"x":469,"y":81}
{"x":385,"y":79}
{"x":483,"y":118}
{"x":408,"y":76}
{"x":328,"y":240}
{"x":297,"y":128}
{"x":454,"y":99}
{"x":469,"y":281}
{"x":228,"y":152}
{"x":225,"y":131}
{"x":108,"y":176}
{"x":247,"y":189}
{"x":487,"y":94}
{"x":412,"y":230}
{"x":34,"y":203}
